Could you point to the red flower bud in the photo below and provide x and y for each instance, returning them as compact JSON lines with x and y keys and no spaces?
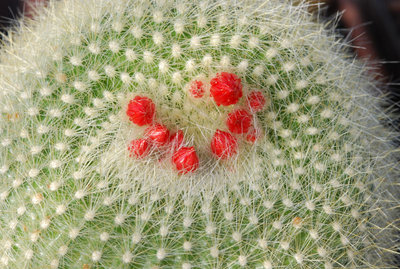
{"x":186,"y":160}
{"x":223,"y":144}
{"x":158,"y":134}
{"x":197,"y":89}
{"x":253,"y":135}
{"x":141,"y":110}
{"x":239,"y":121}
{"x":176,"y":140}
{"x":256,"y":101}
{"x":226,"y":89}
{"x":138,"y":148}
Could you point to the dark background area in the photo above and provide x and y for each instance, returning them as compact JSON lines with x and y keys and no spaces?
{"x":9,"y":11}
{"x":374,"y":28}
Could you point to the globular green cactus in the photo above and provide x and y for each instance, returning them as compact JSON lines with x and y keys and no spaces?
{"x":188,"y":134}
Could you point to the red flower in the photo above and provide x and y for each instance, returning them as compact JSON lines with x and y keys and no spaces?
{"x":223,"y":144}
{"x":176,"y":140}
{"x":158,"y":134}
{"x":239,"y":121}
{"x":197,"y":89}
{"x":256,"y":101}
{"x":141,"y":110}
{"x":186,"y":160}
{"x":226,"y":89}
{"x":138,"y":148}
{"x":253,"y":135}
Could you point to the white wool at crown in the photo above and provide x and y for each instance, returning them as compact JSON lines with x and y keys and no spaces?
{"x":316,"y":188}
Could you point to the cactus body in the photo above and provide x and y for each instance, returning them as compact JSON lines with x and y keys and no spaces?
{"x":278,"y":156}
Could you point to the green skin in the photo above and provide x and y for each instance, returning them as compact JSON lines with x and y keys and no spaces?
{"x":242,"y":198}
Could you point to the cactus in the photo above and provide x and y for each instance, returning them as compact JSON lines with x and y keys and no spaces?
{"x":188,"y":134}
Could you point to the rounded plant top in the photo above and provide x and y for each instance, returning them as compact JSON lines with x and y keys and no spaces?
{"x":185,"y":134}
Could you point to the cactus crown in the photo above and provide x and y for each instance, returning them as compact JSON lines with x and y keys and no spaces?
{"x":186,"y":134}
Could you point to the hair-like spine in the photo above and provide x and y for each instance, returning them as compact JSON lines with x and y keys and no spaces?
{"x":191,"y":134}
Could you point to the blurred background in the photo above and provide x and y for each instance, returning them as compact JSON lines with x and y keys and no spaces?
{"x":373,"y":26}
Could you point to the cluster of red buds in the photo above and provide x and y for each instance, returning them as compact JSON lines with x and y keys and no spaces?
{"x":226,"y":90}
{"x":141,"y":111}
